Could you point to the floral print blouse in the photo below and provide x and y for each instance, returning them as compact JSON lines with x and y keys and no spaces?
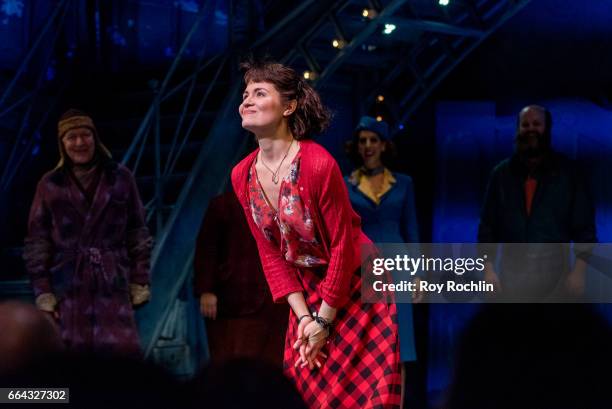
{"x":290,"y":227}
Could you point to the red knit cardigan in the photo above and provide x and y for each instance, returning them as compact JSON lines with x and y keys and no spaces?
{"x":324,"y":192}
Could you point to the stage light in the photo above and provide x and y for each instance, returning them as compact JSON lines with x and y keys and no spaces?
{"x":379,"y":118}
{"x":389,"y":28}
{"x":380,"y":98}
{"x":443,"y":2}
{"x":401,"y":126}
{"x":310,"y":75}
{"x":337,"y":43}
{"x":369,"y":13}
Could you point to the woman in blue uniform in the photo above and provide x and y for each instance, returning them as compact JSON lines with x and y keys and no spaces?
{"x":385,"y":202}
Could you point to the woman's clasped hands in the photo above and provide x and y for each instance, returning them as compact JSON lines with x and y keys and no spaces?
{"x":311,"y":337}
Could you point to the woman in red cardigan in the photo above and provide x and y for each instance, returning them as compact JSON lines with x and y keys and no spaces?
{"x":340,"y":352}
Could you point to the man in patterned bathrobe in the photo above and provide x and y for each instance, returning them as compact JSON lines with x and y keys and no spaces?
{"x":88,"y":248}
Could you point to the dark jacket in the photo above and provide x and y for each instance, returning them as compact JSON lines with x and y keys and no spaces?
{"x":561,"y":212}
{"x":226,"y":260}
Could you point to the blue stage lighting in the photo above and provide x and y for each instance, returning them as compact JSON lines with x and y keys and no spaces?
{"x":389,"y":28}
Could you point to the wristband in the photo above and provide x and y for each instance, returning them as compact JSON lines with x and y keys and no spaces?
{"x":324,"y":323}
{"x":302,"y":317}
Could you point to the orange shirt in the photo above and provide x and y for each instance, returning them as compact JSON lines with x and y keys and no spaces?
{"x":530,"y":187}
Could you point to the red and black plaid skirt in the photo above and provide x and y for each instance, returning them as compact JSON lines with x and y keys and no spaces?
{"x":363,"y":365}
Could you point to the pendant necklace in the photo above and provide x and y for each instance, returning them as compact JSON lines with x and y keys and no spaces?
{"x":276,"y":172}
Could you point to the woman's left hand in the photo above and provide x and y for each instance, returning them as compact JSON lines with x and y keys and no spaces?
{"x":317,"y":338}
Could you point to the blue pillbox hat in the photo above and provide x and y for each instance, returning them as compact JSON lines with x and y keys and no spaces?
{"x":380,"y":128}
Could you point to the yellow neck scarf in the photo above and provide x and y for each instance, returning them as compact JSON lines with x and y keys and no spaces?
{"x":364,"y":184}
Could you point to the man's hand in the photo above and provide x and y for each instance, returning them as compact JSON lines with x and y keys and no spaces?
{"x":208,"y":305}
{"x":417,"y":294}
{"x":574,"y":283}
{"x":491,"y":277}
{"x":139,"y":294}
{"x":47,"y":303}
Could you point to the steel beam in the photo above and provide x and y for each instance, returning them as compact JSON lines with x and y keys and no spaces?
{"x":356,"y":42}
{"x":434,"y":27}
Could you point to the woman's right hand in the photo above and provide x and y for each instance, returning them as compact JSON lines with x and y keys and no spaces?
{"x":301,"y":345}
{"x":316,"y":339}
{"x":208,"y":305}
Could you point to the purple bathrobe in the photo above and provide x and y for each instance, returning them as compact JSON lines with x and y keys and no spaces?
{"x":87,"y":255}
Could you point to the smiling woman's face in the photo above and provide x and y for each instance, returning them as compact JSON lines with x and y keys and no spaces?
{"x":370,"y":148}
{"x":262,"y":107}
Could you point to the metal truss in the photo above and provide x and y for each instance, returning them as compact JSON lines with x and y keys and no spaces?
{"x":18,"y":104}
{"x":222,"y":146}
{"x":165,"y":338}
{"x":333,"y":41}
{"x":429,"y":42}
{"x":428,"y":66}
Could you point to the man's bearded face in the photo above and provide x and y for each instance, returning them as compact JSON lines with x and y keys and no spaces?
{"x":530,"y":140}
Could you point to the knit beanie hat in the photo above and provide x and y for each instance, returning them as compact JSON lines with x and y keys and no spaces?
{"x":72,"y":119}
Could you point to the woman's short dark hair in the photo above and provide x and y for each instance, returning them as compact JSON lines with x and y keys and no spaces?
{"x":311,"y":117}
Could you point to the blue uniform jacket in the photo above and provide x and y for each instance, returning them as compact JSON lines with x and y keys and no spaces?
{"x":392,"y":221}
